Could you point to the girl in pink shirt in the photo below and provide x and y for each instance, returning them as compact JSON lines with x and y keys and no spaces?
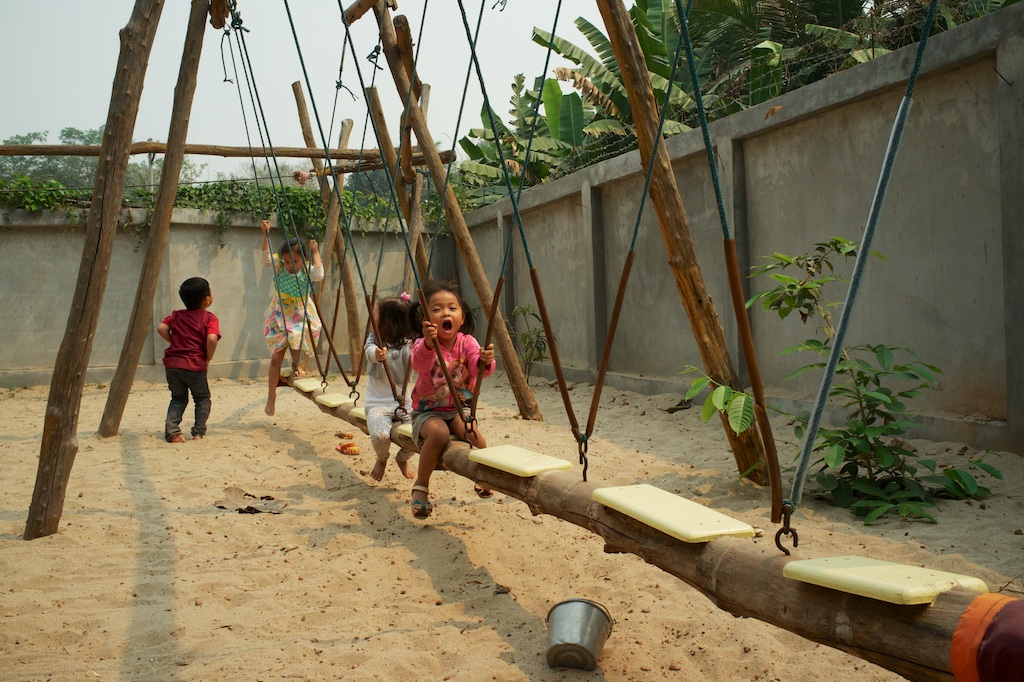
{"x":448,"y":325}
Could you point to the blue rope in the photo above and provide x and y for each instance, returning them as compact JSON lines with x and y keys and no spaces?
{"x":858,"y":269}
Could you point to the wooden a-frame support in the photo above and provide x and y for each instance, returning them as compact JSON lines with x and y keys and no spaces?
{"x":675,"y":230}
{"x":464,"y":241}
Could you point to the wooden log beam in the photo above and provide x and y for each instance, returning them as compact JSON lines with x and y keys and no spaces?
{"x":160,"y":223}
{"x":416,"y":229}
{"x":391,"y":158}
{"x":457,"y":222}
{"x":361,"y":7}
{"x":675,"y":230}
{"x":59,"y":443}
{"x":739,"y":576}
{"x":370,"y":157}
{"x":333,"y":211}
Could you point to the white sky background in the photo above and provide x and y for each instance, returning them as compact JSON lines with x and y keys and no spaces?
{"x":59,"y":59}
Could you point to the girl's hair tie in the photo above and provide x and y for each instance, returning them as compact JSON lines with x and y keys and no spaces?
{"x":405,"y":296}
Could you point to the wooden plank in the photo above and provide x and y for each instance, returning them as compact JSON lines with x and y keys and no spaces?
{"x":883,"y":580}
{"x":673,"y":515}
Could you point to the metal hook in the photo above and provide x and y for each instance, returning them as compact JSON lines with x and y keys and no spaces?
{"x":787,"y":512}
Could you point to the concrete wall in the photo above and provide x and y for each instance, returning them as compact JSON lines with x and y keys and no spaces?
{"x":43,"y":253}
{"x":796,"y":171}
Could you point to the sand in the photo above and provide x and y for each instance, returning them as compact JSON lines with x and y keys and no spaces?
{"x":148,"y":580}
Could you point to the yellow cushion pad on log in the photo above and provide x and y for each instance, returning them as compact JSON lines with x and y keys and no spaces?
{"x":877,"y":579}
{"x":517,"y":461}
{"x":334,"y":399}
{"x":307,"y":385}
{"x":677,"y":516}
{"x":358,"y":413}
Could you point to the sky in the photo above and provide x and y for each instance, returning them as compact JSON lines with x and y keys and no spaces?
{"x":59,"y":60}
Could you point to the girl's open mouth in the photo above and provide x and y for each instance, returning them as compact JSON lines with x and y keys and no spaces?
{"x":446,"y":325}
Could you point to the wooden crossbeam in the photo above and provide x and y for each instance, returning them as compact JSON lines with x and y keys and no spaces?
{"x":740,"y":576}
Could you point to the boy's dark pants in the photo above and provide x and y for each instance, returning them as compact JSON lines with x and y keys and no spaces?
{"x":180,"y":382}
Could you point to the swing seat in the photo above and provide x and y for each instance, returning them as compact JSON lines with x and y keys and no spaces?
{"x":358,"y":412}
{"x":307,"y":385}
{"x":677,"y":516}
{"x":333,"y":400}
{"x":882,"y":580}
{"x":517,"y":461}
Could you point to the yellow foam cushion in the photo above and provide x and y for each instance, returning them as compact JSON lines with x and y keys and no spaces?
{"x":517,"y":461}
{"x":876,"y":579}
{"x":307,"y":385}
{"x":358,"y":413}
{"x":677,"y":516}
{"x":405,"y":429}
{"x":334,"y":399}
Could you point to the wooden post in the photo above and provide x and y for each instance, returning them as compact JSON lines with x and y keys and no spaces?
{"x":524,"y":396}
{"x":675,"y":230}
{"x":390,"y":155}
{"x":416,"y":231}
{"x":60,"y":425}
{"x":355,"y":339}
{"x":160,"y":224}
{"x":404,"y":35}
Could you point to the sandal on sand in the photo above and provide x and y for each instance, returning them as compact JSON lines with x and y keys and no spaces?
{"x":421,"y":509}
{"x":482,"y":492}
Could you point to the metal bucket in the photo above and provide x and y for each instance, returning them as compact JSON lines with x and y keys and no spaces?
{"x":577,"y":630}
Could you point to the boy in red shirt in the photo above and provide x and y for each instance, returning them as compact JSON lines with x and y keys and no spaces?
{"x":193,"y":334}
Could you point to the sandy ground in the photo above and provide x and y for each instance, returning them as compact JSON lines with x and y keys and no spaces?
{"x":148,"y":580}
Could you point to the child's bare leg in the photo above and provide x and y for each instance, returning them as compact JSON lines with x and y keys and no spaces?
{"x":297,"y":368}
{"x":273,"y":378}
{"x":434,"y":434}
{"x":402,"y":460}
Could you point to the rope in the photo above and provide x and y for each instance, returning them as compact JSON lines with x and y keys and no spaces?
{"x":863,"y":254}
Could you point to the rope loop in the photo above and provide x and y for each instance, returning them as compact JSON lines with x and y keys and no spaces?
{"x":787,"y":512}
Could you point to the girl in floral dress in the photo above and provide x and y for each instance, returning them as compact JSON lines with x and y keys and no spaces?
{"x":292,"y":322}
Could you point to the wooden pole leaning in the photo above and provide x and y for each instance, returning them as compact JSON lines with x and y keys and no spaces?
{"x":159,"y":225}
{"x":525,"y":399}
{"x":675,"y":230}
{"x":390,"y":154}
{"x":333,"y":208}
{"x":59,"y":443}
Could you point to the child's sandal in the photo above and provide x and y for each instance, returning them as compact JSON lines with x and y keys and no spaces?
{"x":421,"y":509}
{"x":482,"y":492}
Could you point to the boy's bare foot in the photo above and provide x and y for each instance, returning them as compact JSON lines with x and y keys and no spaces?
{"x":405,"y":469}
{"x":269,"y":407}
{"x":177,"y":438}
{"x":377,"y":473}
{"x":198,"y":436}
{"x":298,"y":372}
